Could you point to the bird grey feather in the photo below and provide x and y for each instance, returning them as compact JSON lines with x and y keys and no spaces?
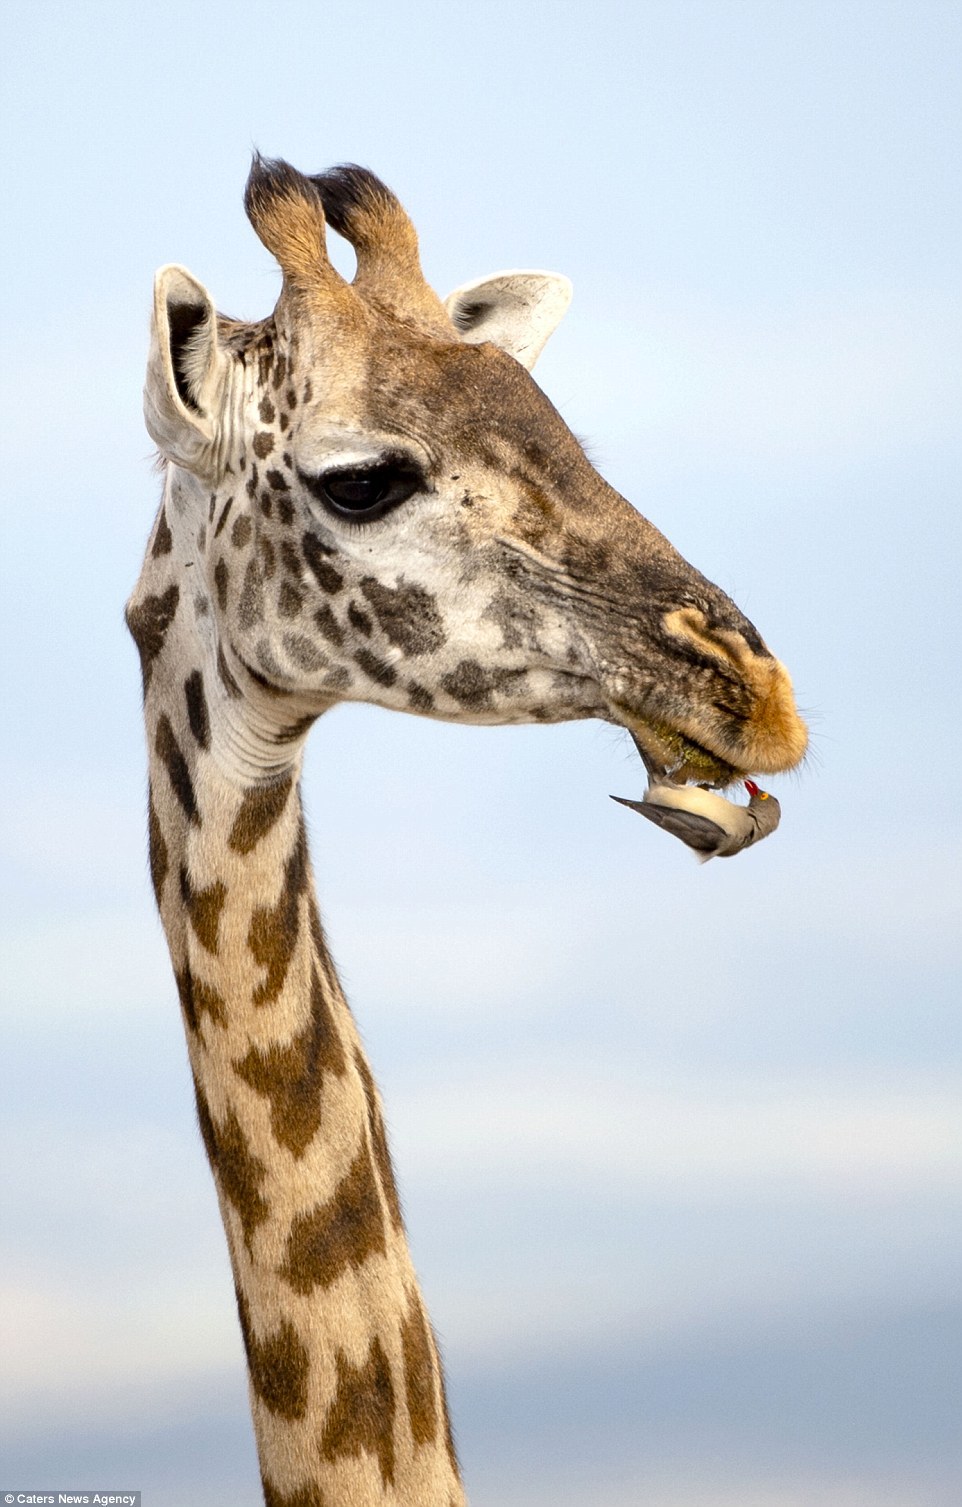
{"x":728,"y":829}
{"x":698,"y":832}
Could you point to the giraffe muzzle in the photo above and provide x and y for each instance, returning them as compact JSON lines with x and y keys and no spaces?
{"x":730,"y":710}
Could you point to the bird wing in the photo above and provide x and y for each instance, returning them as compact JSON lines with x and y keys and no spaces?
{"x":698,"y":832}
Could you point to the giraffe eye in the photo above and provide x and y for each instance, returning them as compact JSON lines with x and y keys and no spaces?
{"x":366,"y":492}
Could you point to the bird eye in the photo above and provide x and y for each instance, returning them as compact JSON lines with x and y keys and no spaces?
{"x":365,"y":492}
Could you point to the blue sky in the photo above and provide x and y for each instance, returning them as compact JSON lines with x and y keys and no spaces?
{"x":680,"y":1147}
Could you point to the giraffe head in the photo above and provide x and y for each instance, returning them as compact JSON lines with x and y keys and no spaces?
{"x":378,"y":503}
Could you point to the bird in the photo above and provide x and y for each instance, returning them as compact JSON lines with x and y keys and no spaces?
{"x":710,"y":825}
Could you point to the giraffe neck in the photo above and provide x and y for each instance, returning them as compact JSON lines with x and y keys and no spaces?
{"x":346,"y":1387}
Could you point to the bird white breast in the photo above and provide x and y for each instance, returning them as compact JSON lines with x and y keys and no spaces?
{"x":693,"y":798}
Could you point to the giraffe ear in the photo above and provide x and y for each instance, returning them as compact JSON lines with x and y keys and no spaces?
{"x":187,"y":373}
{"x":514,"y":310}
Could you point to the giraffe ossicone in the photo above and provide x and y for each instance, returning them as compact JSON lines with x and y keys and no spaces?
{"x":367,"y":498}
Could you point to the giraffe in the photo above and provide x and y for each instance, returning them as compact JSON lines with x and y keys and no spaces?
{"x":367,"y":498}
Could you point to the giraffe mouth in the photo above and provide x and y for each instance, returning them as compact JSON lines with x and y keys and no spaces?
{"x":670,"y":755}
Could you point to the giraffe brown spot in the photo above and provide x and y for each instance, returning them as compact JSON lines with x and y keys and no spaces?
{"x":278,"y":1364}
{"x":225,"y":513}
{"x":197,"y":999}
{"x":266,"y":410}
{"x":197,"y":708}
{"x":343,"y":1232}
{"x":408,"y":615}
{"x":290,"y":601}
{"x":168,"y":751}
{"x":291,"y":397}
{"x":309,"y":1495}
{"x":472,"y":685}
{"x":267,"y":504}
{"x":250,"y":607}
{"x":291,"y":560}
{"x":319,"y":940}
{"x":241,"y":1175}
{"x":221,"y":578}
{"x":329,"y":626}
{"x":207,"y":1001}
{"x":268,"y":557}
{"x":318,"y":544}
{"x":469,"y":684}
{"x":419,"y":697}
{"x":361,"y":1415}
{"x":205,"y":1122}
{"x":280,"y":371}
{"x":251,"y":483}
{"x":420,"y":1368}
{"x":238,"y":1171}
{"x":163,"y":539}
{"x":285,"y":509}
{"x":260,"y":810}
{"x":359,"y":619}
{"x":148,"y":623}
{"x":157,"y":849}
{"x":277,"y":480}
{"x":204,"y":908}
{"x":304,"y":651}
{"x":265,"y":360}
{"x":185,"y":992}
{"x":518,"y":625}
{"x":274,"y":929}
{"x":308,"y":391}
{"x":285,"y":423}
{"x":379,"y":1146}
{"x":378,"y":669}
{"x":296,"y":730}
{"x":263,"y":444}
{"x":291,"y":1076}
{"x":329,"y":579}
{"x":241,"y":530}
{"x":226,"y":678}
{"x":263,"y":651}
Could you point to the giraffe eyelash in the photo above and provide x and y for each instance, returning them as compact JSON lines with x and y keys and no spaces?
{"x":365,"y":493}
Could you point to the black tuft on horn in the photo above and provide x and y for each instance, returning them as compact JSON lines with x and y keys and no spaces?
{"x":285,"y":209}
{"x":365,"y":211}
{"x":272,"y":178}
{"x":355,"y":200}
